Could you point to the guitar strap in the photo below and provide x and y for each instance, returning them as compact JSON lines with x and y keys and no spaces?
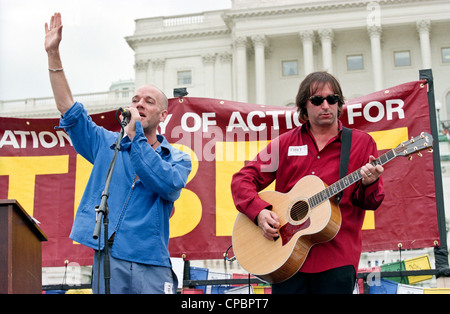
{"x":345,"y":156}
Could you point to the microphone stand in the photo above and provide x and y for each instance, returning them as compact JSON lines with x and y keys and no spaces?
{"x":102,"y":212}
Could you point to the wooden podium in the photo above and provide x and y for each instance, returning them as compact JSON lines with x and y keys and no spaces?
{"x":20,"y":250}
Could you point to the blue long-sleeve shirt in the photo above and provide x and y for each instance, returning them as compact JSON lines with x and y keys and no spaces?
{"x":139,"y":211}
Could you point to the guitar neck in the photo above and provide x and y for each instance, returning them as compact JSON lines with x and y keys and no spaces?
{"x":347,"y":181}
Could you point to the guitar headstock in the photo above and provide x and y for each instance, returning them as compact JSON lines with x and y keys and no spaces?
{"x":415,"y":145}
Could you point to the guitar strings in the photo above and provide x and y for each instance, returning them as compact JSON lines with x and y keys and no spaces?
{"x":299,"y":210}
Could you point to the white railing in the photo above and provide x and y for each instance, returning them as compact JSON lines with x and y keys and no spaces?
{"x":46,"y":107}
{"x":183,"y":20}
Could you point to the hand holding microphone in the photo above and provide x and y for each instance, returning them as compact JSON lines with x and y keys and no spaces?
{"x":128,"y":122}
{"x":126,"y":114}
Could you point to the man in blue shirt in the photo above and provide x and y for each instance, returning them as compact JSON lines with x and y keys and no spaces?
{"x":148,"y":177}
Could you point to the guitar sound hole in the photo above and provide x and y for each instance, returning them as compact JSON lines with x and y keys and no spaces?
{"x":299,"y":211}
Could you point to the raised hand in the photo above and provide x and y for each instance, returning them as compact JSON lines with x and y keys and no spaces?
{"x":53,"y":33}
{"x":60,"y":86}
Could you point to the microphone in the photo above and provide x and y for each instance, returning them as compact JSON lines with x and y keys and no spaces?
{"x":126,"y":114}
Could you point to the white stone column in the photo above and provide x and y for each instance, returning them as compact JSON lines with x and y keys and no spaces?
{"x":326,"y":38}
{"x":423,"y":28}
{"x":307,"y":38}
{"x":377,"y":64}
{"x":158,"y":68}
{"x":140,"y":69}
{"x":240,"y":44}
{"x":209,"y":61}
{"x":224,"y":87}
{"x":259,"y":42}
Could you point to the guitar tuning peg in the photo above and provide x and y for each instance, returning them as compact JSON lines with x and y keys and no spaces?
{"x":410,"y":157}
{"x":419,"y":154}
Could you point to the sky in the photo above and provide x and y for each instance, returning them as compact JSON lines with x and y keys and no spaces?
{"x":93,"y":49}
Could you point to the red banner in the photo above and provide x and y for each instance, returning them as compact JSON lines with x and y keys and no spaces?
{"x":39,"y":168}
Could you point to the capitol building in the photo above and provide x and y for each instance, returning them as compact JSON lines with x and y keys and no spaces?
{"x":259,"y":51}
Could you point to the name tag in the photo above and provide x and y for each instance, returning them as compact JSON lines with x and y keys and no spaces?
{"x":298,"y":150}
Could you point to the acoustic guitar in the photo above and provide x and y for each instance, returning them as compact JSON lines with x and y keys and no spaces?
{"x":308,"y":215}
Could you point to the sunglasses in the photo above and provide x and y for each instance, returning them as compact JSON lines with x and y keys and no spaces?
{"x":318,"y":100}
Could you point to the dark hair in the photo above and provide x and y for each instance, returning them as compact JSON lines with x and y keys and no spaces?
{"x":310,"y":85}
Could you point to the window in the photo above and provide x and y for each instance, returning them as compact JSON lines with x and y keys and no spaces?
{"x":355,"y":63}
{"x":402,"y":58}
{"x":445,"y":55}
{"x":184,"y":77}
{"x":290,"y":68}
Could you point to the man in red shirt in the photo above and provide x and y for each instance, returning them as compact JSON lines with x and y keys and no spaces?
{"x":314,"y":149}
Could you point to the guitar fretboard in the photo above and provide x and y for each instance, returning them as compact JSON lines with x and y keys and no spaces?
{"x":348,"y":180}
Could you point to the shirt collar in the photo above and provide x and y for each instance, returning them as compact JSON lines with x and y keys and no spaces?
{"x":306,"y":128}
{"x":164,"y":144}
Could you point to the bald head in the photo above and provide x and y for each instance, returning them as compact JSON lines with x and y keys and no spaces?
{"x":154,"y":92}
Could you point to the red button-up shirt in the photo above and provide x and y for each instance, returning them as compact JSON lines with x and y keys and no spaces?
{"x":297,"y":157}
